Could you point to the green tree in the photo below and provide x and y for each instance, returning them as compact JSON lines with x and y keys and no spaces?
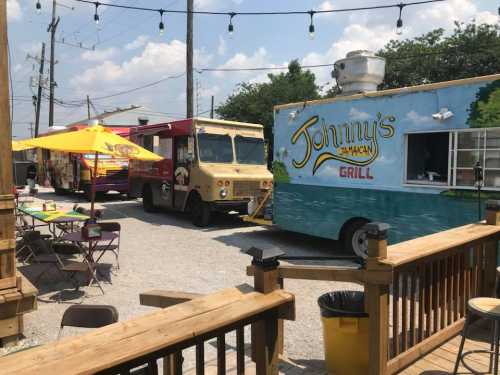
{"x":485,"y":111}
{"x":254,"y":102}
{"x":471,"y":50}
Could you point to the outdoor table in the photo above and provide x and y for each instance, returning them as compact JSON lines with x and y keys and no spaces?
{"x":88,"y":251}
{"x":56,"y":220}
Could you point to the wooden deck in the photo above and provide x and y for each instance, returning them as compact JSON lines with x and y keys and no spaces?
{"x":285,"y":366}
{"x":441,"y":361}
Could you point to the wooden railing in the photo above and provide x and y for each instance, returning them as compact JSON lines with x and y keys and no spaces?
{"x":433,"y":277}
{"x":416,"y":291}
{"x":135,"y":346}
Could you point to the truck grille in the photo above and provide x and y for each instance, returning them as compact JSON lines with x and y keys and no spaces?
{"x":246,"y":188}
{"x":117,"y":175}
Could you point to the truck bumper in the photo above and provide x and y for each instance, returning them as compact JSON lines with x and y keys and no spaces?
{"x":122,"y":187}
{"x":226,"y":206}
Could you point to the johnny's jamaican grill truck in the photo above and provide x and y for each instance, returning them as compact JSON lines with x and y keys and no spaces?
{"x":209,"y":166}
{"x":404,"y":156}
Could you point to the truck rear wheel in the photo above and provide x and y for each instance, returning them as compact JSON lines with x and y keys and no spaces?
{"x":147,"y":199}
{"x":200,"y":211}
{"x":353,"y":237}
{"x":59,"y":191}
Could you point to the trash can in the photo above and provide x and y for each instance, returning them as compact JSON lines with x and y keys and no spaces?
{"x":345,"y":332}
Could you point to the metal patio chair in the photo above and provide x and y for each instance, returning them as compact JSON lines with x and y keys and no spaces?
{"x":88,"y":316}
{"x":113,"y":246}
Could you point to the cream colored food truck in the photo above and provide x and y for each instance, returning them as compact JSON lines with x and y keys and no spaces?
{"x":209,"y":166}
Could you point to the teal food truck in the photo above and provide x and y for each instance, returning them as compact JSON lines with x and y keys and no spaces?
{"x":401,"y":156}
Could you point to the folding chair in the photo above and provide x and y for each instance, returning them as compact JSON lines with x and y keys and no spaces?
{"x":111,"y":246}
{"x":88,"y":316}
{"x":33,"y":243}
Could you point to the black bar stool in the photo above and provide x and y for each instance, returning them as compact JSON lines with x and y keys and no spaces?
{"x":485,"y":308}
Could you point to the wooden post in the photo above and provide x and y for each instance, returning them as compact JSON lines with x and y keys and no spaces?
{"x":378,"y":278}
{"x":265,"y":333}
{"x":491,"y":248}
{"x":7,"y":221}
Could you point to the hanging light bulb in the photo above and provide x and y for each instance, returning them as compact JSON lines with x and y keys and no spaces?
{"x":38,"y":7}
{"x":399,"y":23}
{"x":230,"y":27}
{"x":311,"y":26}
{"x":161,"y":26}
{"x":96,"y":15}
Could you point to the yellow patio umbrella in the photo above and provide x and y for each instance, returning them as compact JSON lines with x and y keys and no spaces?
{"x":95,"y":139}
{"x":20,"y":146}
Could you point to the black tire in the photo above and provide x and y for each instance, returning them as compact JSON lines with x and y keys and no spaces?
{"x":200,"y":211}
{"x":147,"y":199}
{"x":87,"y":192}
{"x":353,"y":238}
{"x":59,"y":191}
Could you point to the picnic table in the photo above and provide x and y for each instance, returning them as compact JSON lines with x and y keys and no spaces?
{"x":88,"y":251}
{"x":59,"y":222}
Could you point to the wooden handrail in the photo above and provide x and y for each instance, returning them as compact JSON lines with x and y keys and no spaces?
{"x":427,"y":246}
{"x":154,"y":335}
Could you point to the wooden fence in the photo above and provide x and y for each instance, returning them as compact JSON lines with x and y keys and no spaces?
{"x":134,"y":346}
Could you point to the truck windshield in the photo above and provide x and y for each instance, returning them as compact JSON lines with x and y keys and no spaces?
{"x":215,"y":148}
{"x":249,"y":150}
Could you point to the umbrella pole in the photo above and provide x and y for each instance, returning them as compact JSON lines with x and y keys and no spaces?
{"x":92,"y":192}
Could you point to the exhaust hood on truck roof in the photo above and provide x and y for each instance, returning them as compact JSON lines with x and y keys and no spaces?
{"x":360,"y":71}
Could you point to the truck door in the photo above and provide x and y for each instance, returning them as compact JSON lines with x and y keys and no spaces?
{"x":181,"y":171}
{"x":165,"y":170}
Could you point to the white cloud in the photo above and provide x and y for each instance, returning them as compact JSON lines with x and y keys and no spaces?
{"x":417,"y":118}
{"x":356,"y":114}
{"x":99,"y":54}
{"x":241,"y":60}
{"x":14,"y":12}
{"x":327,"y":171}
{"x":325,"y":5}
{"x":139,"y":42}
{"x":154,"y":62}
{"x":221,"y":48}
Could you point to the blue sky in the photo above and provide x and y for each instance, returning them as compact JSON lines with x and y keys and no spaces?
{"x":129,"y":52}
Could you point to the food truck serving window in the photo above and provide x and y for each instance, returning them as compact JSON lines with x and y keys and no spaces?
{"x":249,"y":150}
{"x":427,"y":158}
{"x":215,"y":148}
{"x":448,"y":158}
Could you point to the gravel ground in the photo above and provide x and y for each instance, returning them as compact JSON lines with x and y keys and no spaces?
{"x":165,"y":251}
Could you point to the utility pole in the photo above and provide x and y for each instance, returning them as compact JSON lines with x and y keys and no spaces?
{"x":88,"y":107}
{"x":212,"y":108}
{"x":52,"y":29}
{"x":39,"y":96}
{"x":189,"y":60}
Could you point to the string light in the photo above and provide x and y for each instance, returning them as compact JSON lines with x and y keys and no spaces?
{"x":311,"y":26}
{"x":230,"y":27}
{"x":38,"y":7}
{"x":399,"y":23}
{"x":96,"y":15}
{"x":161,"y":26}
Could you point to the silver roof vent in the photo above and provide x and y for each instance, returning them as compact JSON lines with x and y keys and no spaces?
{"x":360,"y":71}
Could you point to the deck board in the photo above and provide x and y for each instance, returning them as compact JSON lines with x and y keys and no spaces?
{"x":441,"y":360}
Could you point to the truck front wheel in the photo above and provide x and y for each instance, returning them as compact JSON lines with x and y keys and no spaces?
{"x":200,"y":211}
{"x":353,"y":237}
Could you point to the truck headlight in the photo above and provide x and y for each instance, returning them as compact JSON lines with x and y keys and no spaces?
{"x":223,"y":193}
